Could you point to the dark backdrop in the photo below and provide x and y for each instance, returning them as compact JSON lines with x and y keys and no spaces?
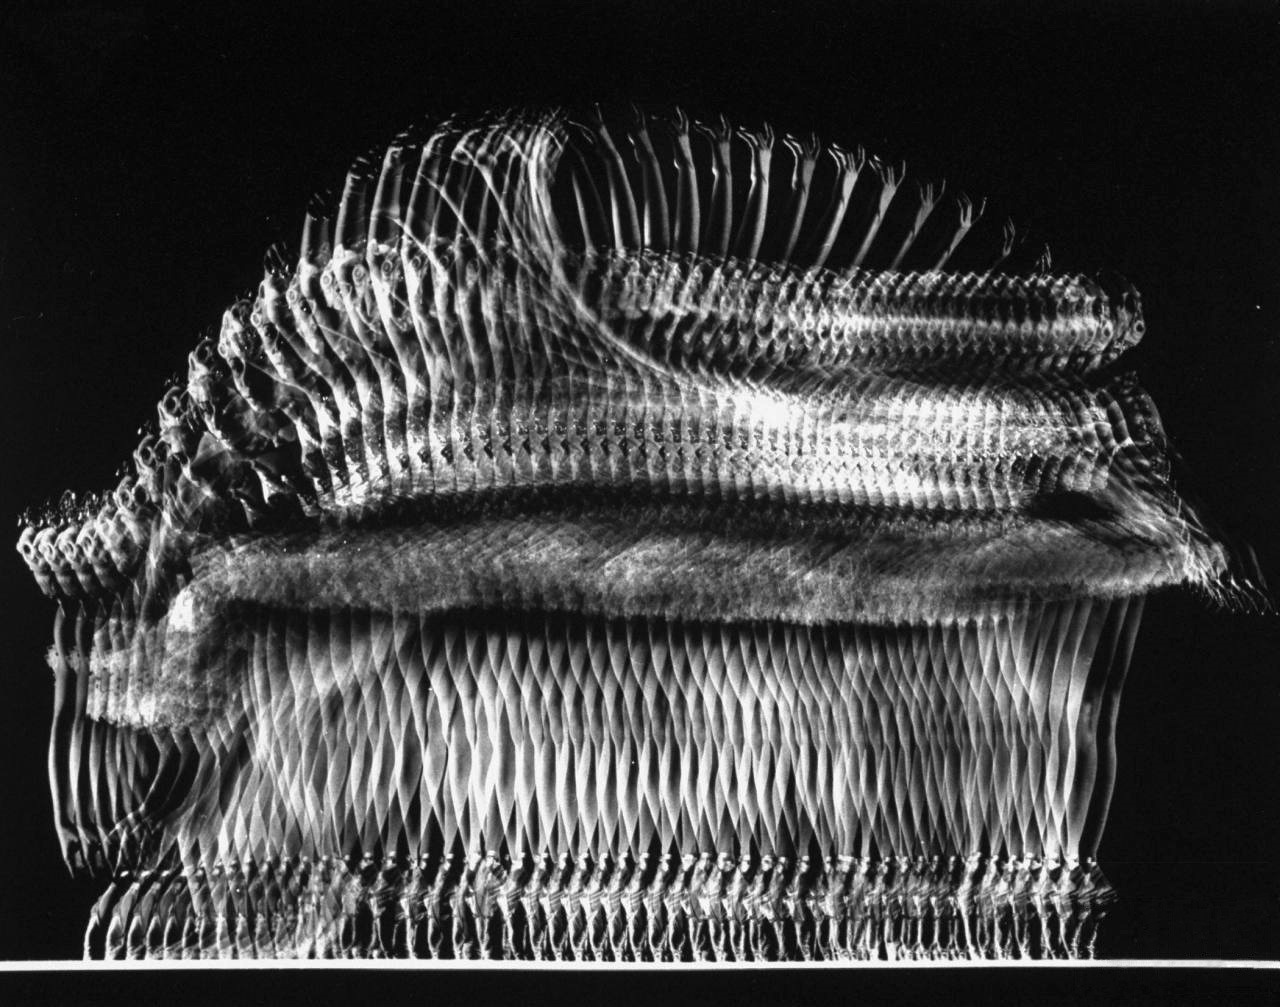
{"x":149,"y":158}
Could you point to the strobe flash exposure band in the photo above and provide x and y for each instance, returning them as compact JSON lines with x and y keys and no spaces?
{"x":619,"y":538}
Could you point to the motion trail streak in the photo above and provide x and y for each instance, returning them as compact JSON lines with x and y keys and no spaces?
{"x":616,"y":541}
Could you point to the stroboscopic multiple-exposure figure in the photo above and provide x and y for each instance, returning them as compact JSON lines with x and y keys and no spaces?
{"x":619,"y":539}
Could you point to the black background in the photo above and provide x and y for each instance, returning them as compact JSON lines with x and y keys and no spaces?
{"x":149,"y":157}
